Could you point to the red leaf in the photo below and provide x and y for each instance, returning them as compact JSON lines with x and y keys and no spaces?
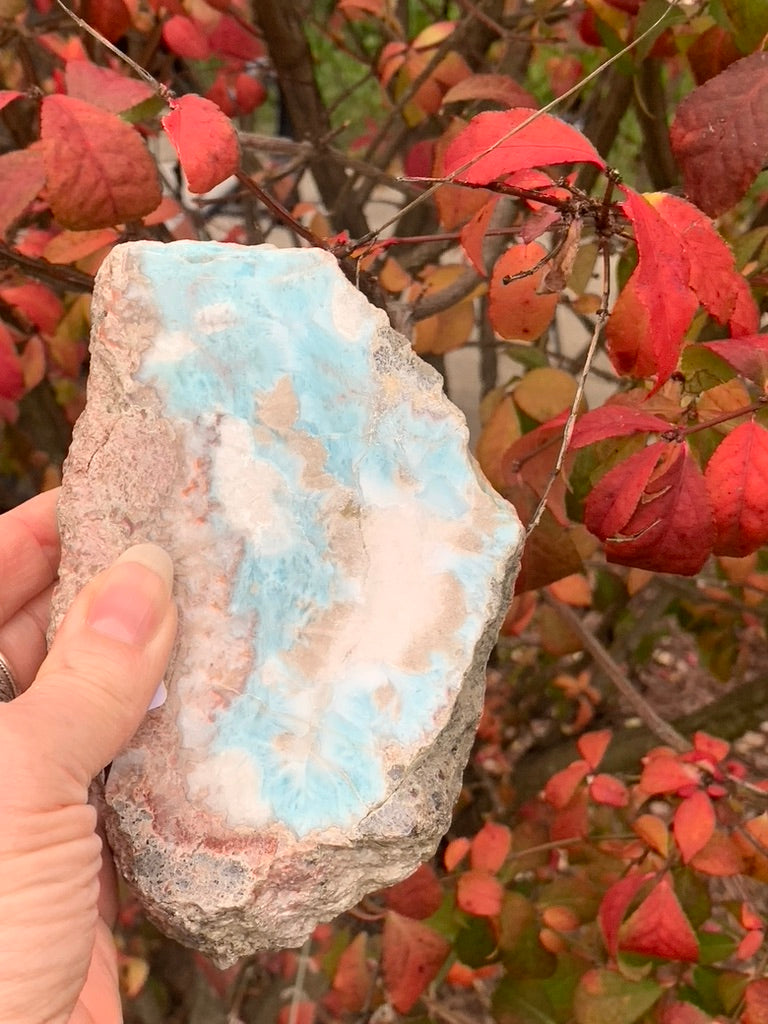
{"x":612,"y":502}
{"x":8,"y":96}
{"x":499,"y":89}
{"x":490,"y":847}
{"x":205,"y":140}
{"x":694,"y":824}
{"x":517,"y":310}
{"x":614,"y":420}
{"x":750,"y":945}
{"x":748,"y":355}
{"x":671,"y":528}
{"x":249,"y":92}
{"x":417,"y":896}
{"x":412,"y":954}
{"x":11,"y":376}
{"x":659,"y":927}
{"x":661,"y":258}
{"x":608,"y":790}
{"x":22,"y":175}
{"x":720,"y":134}
{"x":684,"y":1013}
{"x":110,"y":17}
{"x":98,"y":170}
{"x":711,"y":747}
{"x":479,"y":893}
{"x":756,"y":1002}
{"x":473,"y":235}
{"x":303,"y":1012}
{"x":231,"y":39}
{"x":593,"y":745}
{"x":104,"y":87}
{"x":37,"y":304}
{"x":711,"y":52}
{"x":664,"y":773}
{"x":737,"y":478}
{"x":614,"y":906}
{"x":718,"y":285}
{"x":185,"y":38}
{"x":543,"y":142}
{"x":352,"y":980}
{"x":563,"y":784}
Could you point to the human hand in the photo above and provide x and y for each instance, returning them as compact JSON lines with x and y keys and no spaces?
{"x":57,"y":884}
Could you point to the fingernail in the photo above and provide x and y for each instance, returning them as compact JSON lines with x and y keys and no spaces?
{"x":131,"y":605}
{"x":161,"y":694}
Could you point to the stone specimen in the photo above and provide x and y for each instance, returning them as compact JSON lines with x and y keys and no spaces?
{"x":341,"y":571}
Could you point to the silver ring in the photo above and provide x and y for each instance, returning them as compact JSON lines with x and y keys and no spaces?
{"x":8,"y":686}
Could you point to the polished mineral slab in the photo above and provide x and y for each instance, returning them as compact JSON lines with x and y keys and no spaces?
{"x":341,"y":570}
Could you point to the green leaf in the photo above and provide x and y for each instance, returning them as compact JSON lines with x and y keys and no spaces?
{"x":704,"y":369}
{"x":649,"y":14}
{"x":143,"y":111}
{"x":521,"y":1002}
{"x":604,"y":997}
{"x":750,"y":22}
{"x":714,"y":947}
{"x":475,"y":944}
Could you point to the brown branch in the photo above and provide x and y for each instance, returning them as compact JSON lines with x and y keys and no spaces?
{"x":663,"y":731}
{"x":651,"y":108}
{"x":62,"y":278}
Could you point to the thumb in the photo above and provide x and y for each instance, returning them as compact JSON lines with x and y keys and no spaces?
{"x":107,"y":659}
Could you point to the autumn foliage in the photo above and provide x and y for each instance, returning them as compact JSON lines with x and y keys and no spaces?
{"x":599,"y":243}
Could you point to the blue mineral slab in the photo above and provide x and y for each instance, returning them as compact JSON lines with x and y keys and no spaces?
{"x":342,"y":567}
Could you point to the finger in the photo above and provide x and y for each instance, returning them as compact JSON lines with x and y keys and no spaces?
{"x":29,"y":551}
{"x":93,"y":689}
{"x":22,"y":638}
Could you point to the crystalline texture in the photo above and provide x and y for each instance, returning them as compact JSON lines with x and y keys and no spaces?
{"x":341,"y":569}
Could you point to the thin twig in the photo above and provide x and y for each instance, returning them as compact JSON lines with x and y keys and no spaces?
{"x":518,"y":128}
{"x":658,"y":726}
{"x":573,"y":413}
{"x":63,"y":278}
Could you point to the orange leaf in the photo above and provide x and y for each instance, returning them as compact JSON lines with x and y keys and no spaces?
{"x":593,"y":745}
{"x":98,"y":171}
{"x":573,"y":590}
{"x":23,"y":176}
{"x":205,"y":141}
{"x":694,"y":824}
{"x":496,"y":437}
{"x":517,"y":310}
{"x":412,"y":954}
{"x":721,"y":857}
{"x":563,"y":784}
{"x":490,"y":847}
{"x":653,"y":832}
{"x":737,"y":479}
{"x":663,"y":773}
{"x":608,"y":790}
{"x":499,"y":89}
{"x":628,"y":334}
{"x":750,"y":944}
{"x":455,"y":852}
{"x":71,"y":246}
{"x":659,"y":927}
{"x":417,"y":896}
{"x":684,"y":1013}
{"x":472,"y":234}
{"x":543,"y":142}
{"x":479,"y":893}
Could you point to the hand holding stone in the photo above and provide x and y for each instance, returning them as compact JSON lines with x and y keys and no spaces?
{"x":57,"y":891}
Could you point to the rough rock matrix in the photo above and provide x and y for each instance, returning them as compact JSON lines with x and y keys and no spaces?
{"x":341,"y":570}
